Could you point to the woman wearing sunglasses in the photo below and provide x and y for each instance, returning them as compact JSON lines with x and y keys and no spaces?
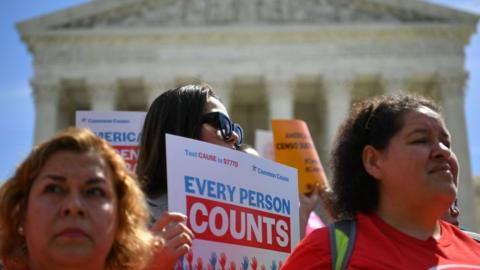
{"x":191,"y":111}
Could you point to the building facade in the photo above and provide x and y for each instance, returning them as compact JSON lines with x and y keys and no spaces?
{"x":305,"y":59}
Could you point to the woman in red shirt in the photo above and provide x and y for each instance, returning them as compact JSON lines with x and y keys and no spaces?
{"x":395,"y":174}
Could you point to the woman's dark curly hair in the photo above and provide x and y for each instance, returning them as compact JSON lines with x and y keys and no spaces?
{"x":374,"y":122}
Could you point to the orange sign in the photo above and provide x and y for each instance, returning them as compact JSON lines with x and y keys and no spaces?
{"x":294,"y":147}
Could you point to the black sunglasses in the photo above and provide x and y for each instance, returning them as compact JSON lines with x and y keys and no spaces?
{"x":220,"y":121}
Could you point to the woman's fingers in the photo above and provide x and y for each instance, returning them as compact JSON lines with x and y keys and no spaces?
{"x":178,"y":229}
{"x":174,"y":229}
{"x":307,"y":203}
{"x":167,"y":256}
{"x":174,"y":240}
{"x":166,"y":218}
{"x":174,"y":248}
{"x":179,"y":241}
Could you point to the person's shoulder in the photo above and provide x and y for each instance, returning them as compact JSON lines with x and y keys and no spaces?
{"x":449,"y":231}
{"x":317,"y":237}
{"x":313,"y":252}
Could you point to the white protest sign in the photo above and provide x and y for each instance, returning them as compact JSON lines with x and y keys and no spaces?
{"x":242,"y":209}
{"x":264,"y":143}
{"x":120,"y":129}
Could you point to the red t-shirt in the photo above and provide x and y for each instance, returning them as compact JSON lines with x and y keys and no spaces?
{"x":380,"y":246}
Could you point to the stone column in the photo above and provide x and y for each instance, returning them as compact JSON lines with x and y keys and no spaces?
{"x":453,"y":96}
{"x":280,"y":97}
{"x":393,"y":84}
{"x":102,"y":94}
{"x":337,"y":95}
{"x":46,"y":95}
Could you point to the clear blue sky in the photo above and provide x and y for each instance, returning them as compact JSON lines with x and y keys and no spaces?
{"x":16,"y":103}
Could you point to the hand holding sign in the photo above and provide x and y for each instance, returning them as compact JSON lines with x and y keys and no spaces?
{"x":175,"y":240}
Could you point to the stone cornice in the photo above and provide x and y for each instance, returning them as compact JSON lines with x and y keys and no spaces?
{"x":243,"y":35}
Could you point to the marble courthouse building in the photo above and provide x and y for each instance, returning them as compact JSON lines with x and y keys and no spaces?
{"x":306,"y":59}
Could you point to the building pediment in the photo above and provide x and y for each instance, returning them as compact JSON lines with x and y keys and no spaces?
{"x":111,"y":14}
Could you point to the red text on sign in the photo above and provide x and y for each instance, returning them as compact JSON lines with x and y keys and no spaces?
{"x":129,"y":153}
{"x":228,"y":223}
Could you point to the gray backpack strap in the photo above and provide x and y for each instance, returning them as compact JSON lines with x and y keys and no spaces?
{"x":342,"y":240}
{"x":475,"y":236}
